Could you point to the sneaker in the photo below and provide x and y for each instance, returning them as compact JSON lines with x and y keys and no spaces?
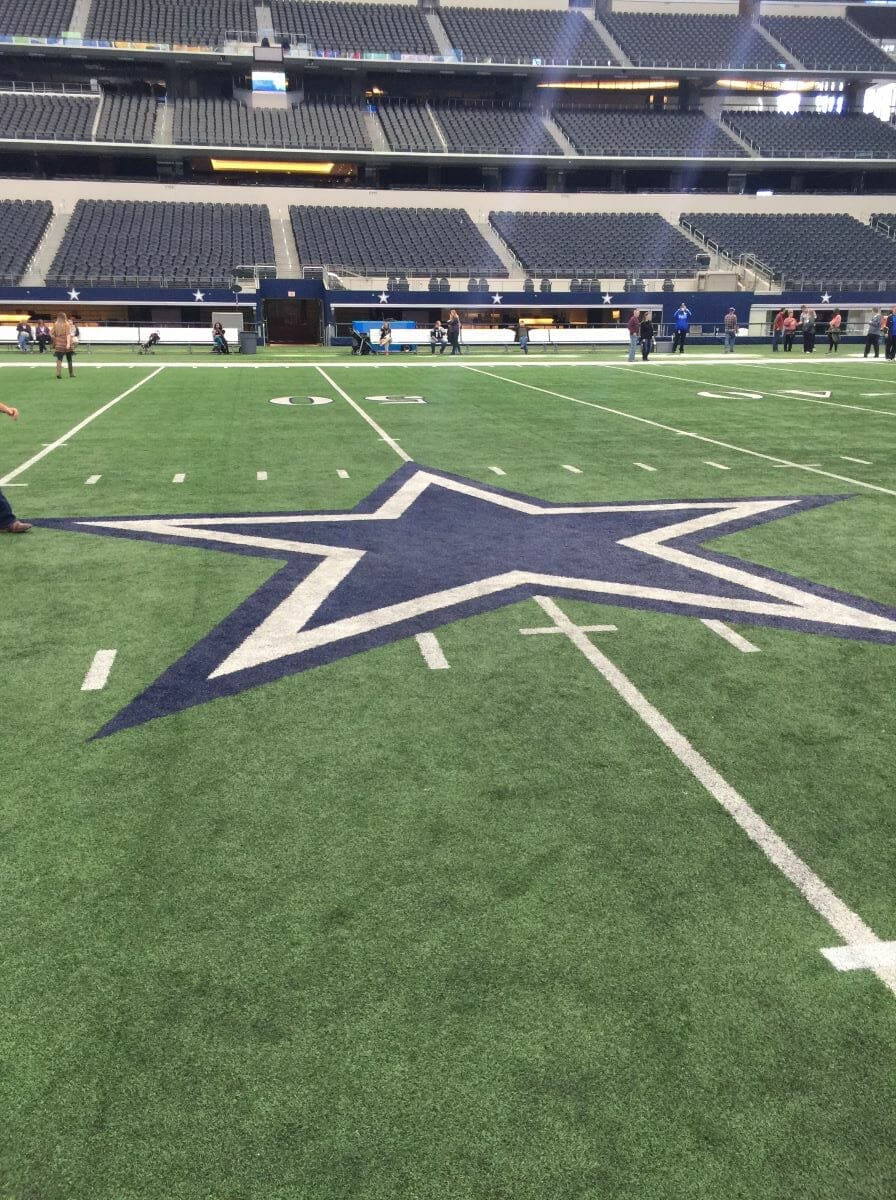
{"x":16,"y":527}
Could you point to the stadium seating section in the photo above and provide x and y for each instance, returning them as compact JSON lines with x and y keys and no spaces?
{"x":61,"y":118}
{"x":494,"y":131}
{"x":409,"y":127}
{"x":691,"y":40}
{"x":126,"y":119}
{"x":815,"y":135}
{"x":22,"y":225}
{"x":170,"y":21}
{"x":646,"y":133}
{"x":381,"y":241}
{"x":350,"y":29}
{"x":827,"y":43}
{"x":607,"y":244}
{"x":524,"y":36}
{"x":877,"y":21}
{"x":35,"y":18}
{"x":310,"y":125}
{"x":814,"y":251}
{"x":196,"y":244}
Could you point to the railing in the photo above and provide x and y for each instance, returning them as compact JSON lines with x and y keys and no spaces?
{"x":51,"y":89}
{"x":100,"y":280}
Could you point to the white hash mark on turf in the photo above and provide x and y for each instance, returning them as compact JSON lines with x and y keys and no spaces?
{"x":261,"y":476}
{"x":497,"y":471}
{"x":342,"y":474}
{"x":432,"y":652}
{"x":179,"y":478}
{"x":731,"y":636}
{"x":878,"y":955}
{"x":864,"y":461}
{"x":93,"y":479}
{"x":847,"y":924}
{"x":572,"y":470}
{"x":644,"y":466}
{"x":98,"y":675}
{"x":718,"y":466}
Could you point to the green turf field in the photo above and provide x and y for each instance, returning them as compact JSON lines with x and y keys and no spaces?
{"x":545,"y":925}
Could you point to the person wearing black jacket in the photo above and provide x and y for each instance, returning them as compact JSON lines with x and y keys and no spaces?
{"x":645,"y":333}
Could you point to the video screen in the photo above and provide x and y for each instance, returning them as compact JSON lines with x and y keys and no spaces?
{"x":268,"y":81}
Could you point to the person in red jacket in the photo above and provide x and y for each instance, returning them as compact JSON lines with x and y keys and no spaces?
{"x":834,"y":331}
{"x":778,"y":329}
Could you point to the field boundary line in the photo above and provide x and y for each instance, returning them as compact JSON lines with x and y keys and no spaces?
{"x":847,"y":924}
{"x":618,"y":412}
{"x":77,"y":429}
{"x":367,"y":417}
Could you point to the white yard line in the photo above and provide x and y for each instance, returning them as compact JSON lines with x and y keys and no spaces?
{"x":92,"y":480}
{"x":707,"y":462}
{"x":847,"y":924}
{"x":367,"y":417}
{"x":77,"y":429}
{"x":862,"y":958}
{"x":98,"y":675}
{"x":432,"y":652}
{"x":572,"y":470}
{"x":618,"y":412}
{"x":731,"y":636}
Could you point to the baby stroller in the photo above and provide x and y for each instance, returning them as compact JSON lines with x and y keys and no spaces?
{"x":149,"y":346}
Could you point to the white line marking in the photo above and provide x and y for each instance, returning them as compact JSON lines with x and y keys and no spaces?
{"x":98,"y":675}
{"x":432,"y":652}
{"x":847,"y":924}
{"x":93,"y":479}
{"x":880,"y":955}
{"x":718,"y":466}
{"x":179,"y":478}
{"x":367,"y":417}
{"x":800,"y":466}
{"x":582,"y":629}
{"x":77,"y":429}
{"x":342,"y":474}
{"x":261,"y":476}
{"x":699,"y":437}
{"x":644,"y":466}
{"x":572,"y":470}
{"x":59,"y":444}
{"x":17,"y":485}
{"x":864,"y":461}
{"x":497,"y":471}
{"x":874,"y":395}
{"x":731,"y":636}
{"x":808,"y":399}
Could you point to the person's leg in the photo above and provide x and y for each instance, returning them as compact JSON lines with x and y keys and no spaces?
{"x":682,"y":340}
{"x":58,"y":365}
{"x":71,"y":365}
{"x":876,"y":345}
{"x":632,"y":346}
{"x":7,"y":516}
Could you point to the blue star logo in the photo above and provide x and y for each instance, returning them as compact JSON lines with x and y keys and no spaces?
{"x":428,"y":548}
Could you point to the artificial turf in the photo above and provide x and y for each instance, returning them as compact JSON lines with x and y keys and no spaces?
{"x":374,"y":930}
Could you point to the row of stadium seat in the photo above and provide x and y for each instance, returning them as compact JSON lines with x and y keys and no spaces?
{"x":439,"y":129}
{"x":204,"y":243}
{"x":528,"y":35}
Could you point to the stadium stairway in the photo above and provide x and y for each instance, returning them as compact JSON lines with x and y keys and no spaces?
{"x":285,"y":256}
{"x":437,"y":127}
{"x":499,"y":246}
{"x":264,"y":21}
{"x":605,"y":35}
{"x":164,"y":131}
{"x":80,"y":15}
{"x":437,"y":29}
{"x":559,"y":136}
{"x":786,"y":56}
{"x":36,"y":275}
{"x":376,"y":133}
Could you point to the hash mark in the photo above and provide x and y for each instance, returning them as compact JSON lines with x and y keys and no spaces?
{"x":98,"y":675}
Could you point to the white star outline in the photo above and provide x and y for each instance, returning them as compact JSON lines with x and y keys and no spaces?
{"x":283,"y":632}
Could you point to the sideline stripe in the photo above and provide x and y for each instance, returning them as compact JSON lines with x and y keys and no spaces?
{"x":731,"y":636}
{"x":847,"y":924}
{"x":77,"y":429}
{"x":98,"y":675}
{"x":618,"y":412}
{"x":92,"y":480}
{"x":367,"y":417}
{"x":432,"y":652}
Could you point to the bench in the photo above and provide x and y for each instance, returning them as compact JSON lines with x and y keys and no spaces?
{"x":133,"y":336}
{"x":539,"y":335}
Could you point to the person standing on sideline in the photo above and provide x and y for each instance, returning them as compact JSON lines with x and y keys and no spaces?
{"x":9,"y":522}
{"x":890,"y":343}
{"x":834,"y":331}
{"x":646,"y":332}
{"x":437,"y":338}
{"x":634,"y":332}
{"x":730,"y":330}
{"x":454,"y":331}
{"x":522,"y":336}
{"x":872,"y":337}
{"x":63,"y":347}
{"x":808,"y":320}
{"x":682,"y":326}
{"x":789,"y":330}
{"x":778,"y":329}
